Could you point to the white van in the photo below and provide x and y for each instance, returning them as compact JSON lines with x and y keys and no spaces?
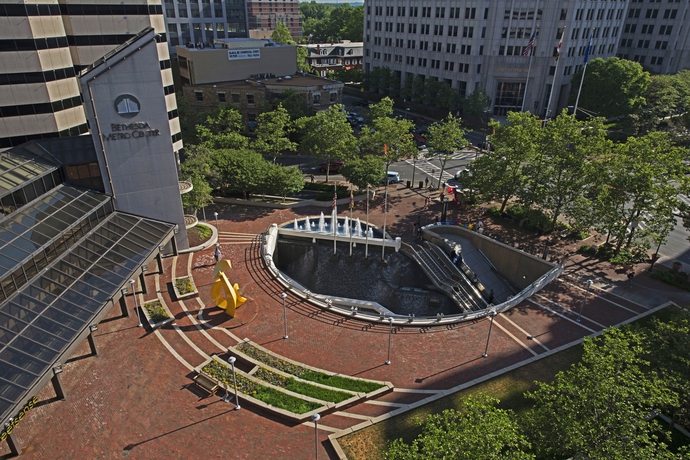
{"x":393,"y":177}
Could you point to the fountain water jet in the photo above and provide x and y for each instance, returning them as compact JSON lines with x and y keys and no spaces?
{"x":322,"y":223}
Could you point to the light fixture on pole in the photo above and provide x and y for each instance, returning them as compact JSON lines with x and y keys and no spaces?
{"x":315,"y":418}
{"x":584,"y":300}
{"x":486,"y":349}
{"x":215,"y":214}
{"x":390,"y":334}
{"x":136,"y":307}
{"x":232,"y":360}
{"x":283,"y":296}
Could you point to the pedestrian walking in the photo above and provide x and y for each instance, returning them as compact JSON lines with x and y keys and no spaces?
{"x":216,"y":254}
{"x":426,"y":181}
{"x":312,"y":178}
{"x":419,"y":231}
{"x":427,"y":202}
{"x":414,"y":228}
{"x":631,"y":275}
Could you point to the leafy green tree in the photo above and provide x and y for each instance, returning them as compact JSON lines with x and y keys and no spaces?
{"x":500,"y":174}
{"x":382,"y":109}
{"x":598,"y":409}
{"x":327,"y":23}
{"x":292,"y":101}
{"x":302,"y":63}
{"x":559,"y":175}
{"x":281,"y":35}
{"x":418,"y":89}
{"x":476,"y":103}
{"x":197,"y":169}
{"x":282,"y":180}
{"x":346,"y":75}
{"x":222,"y":129}
{"x":444,"y":139}
{"x":328,"y":135}
{"x":189,"y":118}
{"x":449,"y":98}
{"x":407,"y":91}
{"x":387,"y":135}
{"x":272,"y":133}
{"x":478,"y":431}
{"x":612,"y":87}
{"x":314,"y":10}
{"x":363,"y":171}
{"x":432,"y":89}
{"x":240,"y":170}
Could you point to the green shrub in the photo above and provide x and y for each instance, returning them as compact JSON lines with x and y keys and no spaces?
{"x":184,"y":285}
{"x":583,"y":249}
{"x":203,"y":231}
{"x":605,"y":251}
{"x":289,"y":383}
{"x":580,"y":234}
{"x":624,"y":257}
{"x":493,"y":211}
{"x":672,"y":277}
{"x":156,"y":311}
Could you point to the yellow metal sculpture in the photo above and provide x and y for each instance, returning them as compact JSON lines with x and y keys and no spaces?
{"x":225,"y":295}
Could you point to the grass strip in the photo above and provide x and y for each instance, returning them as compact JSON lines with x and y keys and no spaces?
{"x":335,"y":381}
{"x":303,"y":388}
{"x":265,"y":394}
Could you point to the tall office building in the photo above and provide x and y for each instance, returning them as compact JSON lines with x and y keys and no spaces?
{"x":657,"y":35}
{"x":46,"y":43}
{"x":472,"y":44}
{"x":187,"y":21}
{"x":265,"y":14}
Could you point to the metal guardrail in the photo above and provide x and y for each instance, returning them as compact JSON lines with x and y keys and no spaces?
{"x":268,"y":240}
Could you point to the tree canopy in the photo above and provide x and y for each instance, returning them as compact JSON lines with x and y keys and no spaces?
{"x":444,"y":139}
{"x":272,"y":133}
{"x":325,"y":23}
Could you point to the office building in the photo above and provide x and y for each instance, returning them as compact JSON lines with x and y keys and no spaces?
{"x":479,"y":44}
{"x":657,"y":36}
{"x":46,"y":43}
{"x":191,"y":21}
{"x":265,"y":14}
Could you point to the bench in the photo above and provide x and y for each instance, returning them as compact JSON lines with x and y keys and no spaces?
{"x":206,"y":383}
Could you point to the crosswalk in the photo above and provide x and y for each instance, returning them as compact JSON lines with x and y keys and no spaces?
{"x":424,"y":164}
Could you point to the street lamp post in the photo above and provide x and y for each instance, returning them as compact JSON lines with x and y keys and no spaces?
{"x":283,"y":296}
{"x":215,"y":214}
{"x":232,"y":360}
{"x":136,"y":307}
{"x":390,"y":334}
{"x":584,"y":300}
{"x":315,"y":418}
{"x":486,"y":349}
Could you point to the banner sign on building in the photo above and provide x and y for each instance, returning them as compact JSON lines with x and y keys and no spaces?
{"x":235,"y":55}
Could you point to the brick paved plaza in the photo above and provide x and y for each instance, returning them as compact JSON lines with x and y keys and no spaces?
{"x":136,"y":399}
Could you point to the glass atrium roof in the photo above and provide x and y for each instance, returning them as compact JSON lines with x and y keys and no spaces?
{"x":19,"y":166}
{"x":27,"y":230}
{"x":49,"y":313}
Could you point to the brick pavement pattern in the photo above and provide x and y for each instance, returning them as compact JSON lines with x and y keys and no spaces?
{"x":137,"y":400}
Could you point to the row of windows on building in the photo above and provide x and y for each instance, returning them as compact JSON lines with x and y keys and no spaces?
{"x":654,"y":60}
{"x":192,"y":9}
{"x":440,"y":12}
{"x":236,"y":97}
{"x":648,"y":29}
{"x":334,"y":61}
{"x":634,"y":13}
{"x":183,"y":34}
{"x":658,"y":45}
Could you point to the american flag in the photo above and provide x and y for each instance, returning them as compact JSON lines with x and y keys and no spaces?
{"x":352,"y":200}
{"x":560,"y":45}
{"x":385,"y":204}
{"x":335,"y":199}
{"x":530,"y":45}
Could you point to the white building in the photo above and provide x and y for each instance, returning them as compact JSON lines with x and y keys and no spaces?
{"x":472,"y":44}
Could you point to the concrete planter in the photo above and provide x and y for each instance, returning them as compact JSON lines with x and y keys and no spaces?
{"x":282,"y":412}
{"x":193,"y":293}
{"x":386,"y":387}
{"x":163,"y":322}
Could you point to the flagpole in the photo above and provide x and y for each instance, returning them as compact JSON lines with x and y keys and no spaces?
{"x":555,"y":74}
{"x":582,"y":80}
{"x":529,"y":71}
{"x":334,"y":217}
{"x":366,"y":243}
{"x":352,"y":205}
{"x":385,"y":209}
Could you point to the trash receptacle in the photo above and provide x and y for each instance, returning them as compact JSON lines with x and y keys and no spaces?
{"x":409,"y":184}
{"x":421,"y":184}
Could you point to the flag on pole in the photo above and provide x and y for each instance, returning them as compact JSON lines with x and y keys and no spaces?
{"x":560,"y":45}
{"x":335,"y":199}
{"x":385,"y":149}
{"x":385,"y":198}
{"x":589,"y":46}
{"x":530,"y":45}
{"x":352,"y":200}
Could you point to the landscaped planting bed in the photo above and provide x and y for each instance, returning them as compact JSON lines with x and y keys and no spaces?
{"x":335,"y":381}
{"x":157,"y":313}
{"x":184,"y":287}
{"x":254,"y":390}
{"x":303,"y":388}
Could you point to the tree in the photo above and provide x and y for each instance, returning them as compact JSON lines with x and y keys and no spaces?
{"x":283,"y":181}
{"x":189,"y":118}
{"x":444,"y":139}
{"x":221,"y":129}
{"x":240,"y":170}
{"x":292,"y":101}
{"x":281,"y":35}
{"x":197,"y":168}
{"x":612,"y":87}
{"x":500,"y":174}
{"x":478,"y":431}
{"x":346,"y":75}
{"x":302,"y":63}
{"x":382,"y":109}
{"x":599,"y":408}
{"x":387,"y":135}
{"x":476,"y":103}
{"x":559,"y":176}
{"x":363,"y":171}
{"x":328,"y":135}
{"x":272,"y":133}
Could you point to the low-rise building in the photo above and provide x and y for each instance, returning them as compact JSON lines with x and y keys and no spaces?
{"x":324,"y":58}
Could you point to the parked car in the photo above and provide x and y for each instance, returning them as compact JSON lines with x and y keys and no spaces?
{"x":333,"y":166}
{"x":393,"y":178}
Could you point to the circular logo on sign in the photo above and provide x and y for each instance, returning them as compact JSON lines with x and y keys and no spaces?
{"x":127,"y":105}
